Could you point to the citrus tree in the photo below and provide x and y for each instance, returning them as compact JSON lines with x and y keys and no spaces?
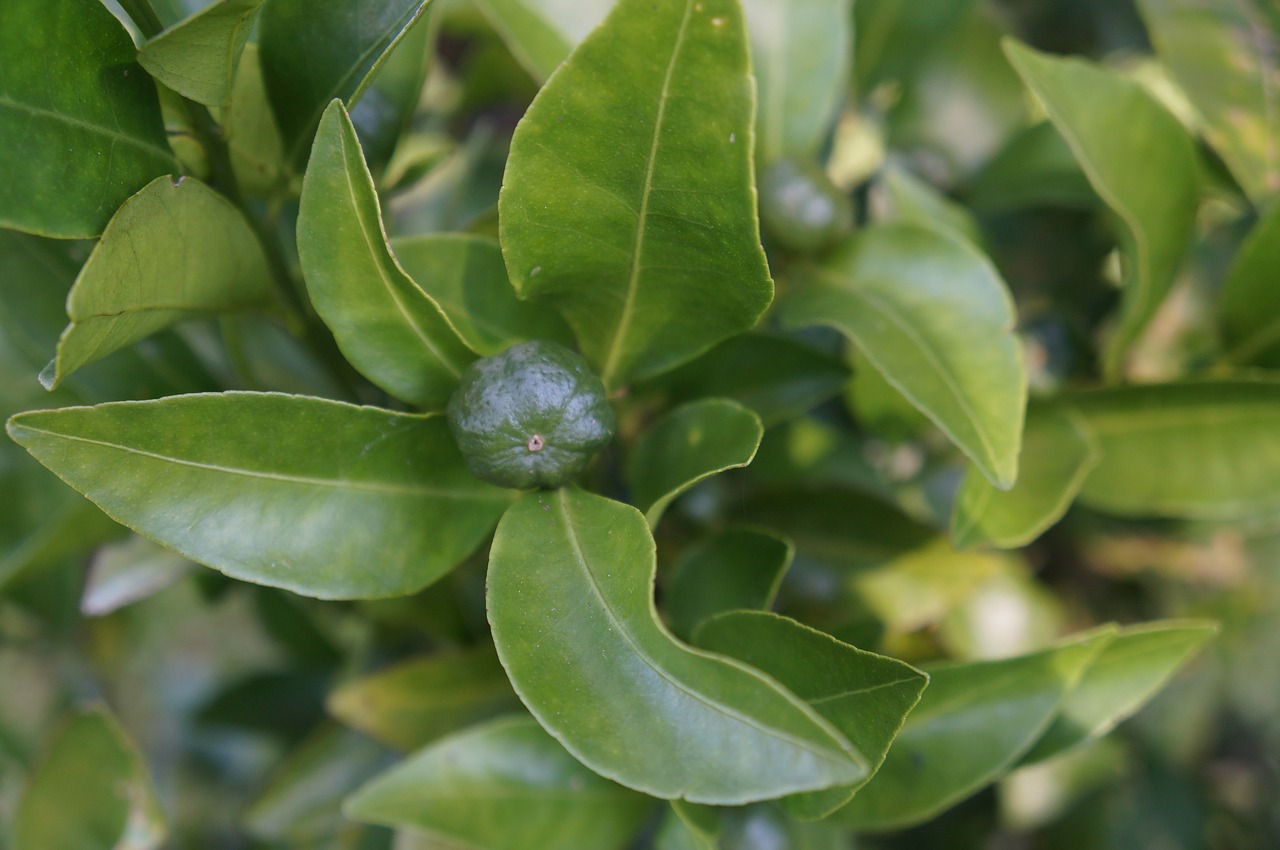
{"x":662,"y":423}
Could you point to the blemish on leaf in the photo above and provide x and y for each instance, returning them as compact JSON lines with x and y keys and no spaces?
{"x":536,"y":271}
{"x":717,"y":22}
{"x":536,"y":443}
{"x":733,"y":137}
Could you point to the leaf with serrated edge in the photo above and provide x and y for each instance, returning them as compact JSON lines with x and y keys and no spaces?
{"x":282,"y":490}
{"x":571,"y":607}
{"x":389,"y":329}
{"x":628,"y":201}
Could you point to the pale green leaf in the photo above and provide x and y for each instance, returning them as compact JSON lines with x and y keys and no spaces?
{"x":736,"y":569}
{"x":541,"y":33}
{"x":505,"y":785}
{"x":389,"y":329}
{"x":931,"y":312}
{"x":571,"y":606}
{"x":174,"y":251}
{"x":253,"y":140}
{"x":914,"y":201}
{"x":1141,"y":162}
{"x":197,"y":58}
{"x":628,"y":199}
{"x":281,"y":490}
{"x":1250,"y":301}
{"x":688,"y":445}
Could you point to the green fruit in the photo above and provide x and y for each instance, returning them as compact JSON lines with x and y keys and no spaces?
{"x":801,"y":208}
{"x":532,"y":416}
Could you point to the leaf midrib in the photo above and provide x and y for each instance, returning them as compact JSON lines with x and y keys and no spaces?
{"x":98,"y":129}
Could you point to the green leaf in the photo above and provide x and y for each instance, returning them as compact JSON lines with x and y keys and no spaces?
{"x":382,"y":113}
{"x":174,"y":251}
{"x":1129,"y":671}
{"x":253,"y":140}
{"x":80,"y":126}
{"x":739,"y":568}
{"x":126,"y":572}
{"x":933,"y":315}
{"x":864,"y":695}
{"x":1058,"y":451}
{"x":465,"y":275}
{"x":416,"y":702}
{"x":1138,"y":159}
{"x":287,"y":491}
{"x":506,"y":785}
{"x":628,"y":201}
{"x":759,"y":827}
{"x":389,"y":329}
{"x":1223,"y":55}
{"x":541,"y":33}
{"x":971,"y":726}
{"x":915,"y":201}
{"x":315,"y":51}
{"x":197,"y":58}
{"x":1250,"y":301}
{"x":800,"y":52}
{"x":687,"y":445}
{"x":571,"y":606}
{"x":1200,"y":449}
{"x":301,"y":803}
{"x":1035,"y":168}
{"x":92,"y":764}
{"x":776,"y":377}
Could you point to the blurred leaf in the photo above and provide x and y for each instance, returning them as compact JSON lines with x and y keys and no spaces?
{"x":570,"y":579}
{"x":465,"y":275}
{"x":627,"y":204}
{"x":541,"y":33}
{"x":80,"y":126}
{"x":1007,"y":613}
{"x":1129,"y":671}
{"x":1058,"y":452}
{"x":893,"y":36}
{"x":505,"y":785}
{"x":688,"y":445}
{"x":1199,"y":449}
{"x":800,"y":51}
{"x":174,"y":251}
{"x":389,"y":329}
{"x":315,"y":51}
{"x":1250,"y":300}
{"x":864,"y":695}
{"x":197,"y":58}
{"x":1223,"y":53}
{"x":931,"y":312}
{"x":253,"y":140}
{"x":915,"y":201}
{"x":972,"y":724}
{"x":760,"y":827}
{"x":1138,"y":159}
{"x":123,"y":573}
{"x":301,"y":803}
{"x":1036,"y":167}
{"x":91,"y":764}
{"x":414,"y":703}
{"x":290,"y":491}
{"x":775,"y":376}
{"x":736,"y":569}
{"x":382,"y":113}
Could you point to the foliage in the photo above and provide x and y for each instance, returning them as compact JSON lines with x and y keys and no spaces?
{"x":927,"y":351}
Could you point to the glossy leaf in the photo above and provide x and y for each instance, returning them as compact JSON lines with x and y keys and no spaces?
{"x":689,"y":444}
{"x":414,"y":703}
{"x":1129,"y":672}
{"x":197,"y":58}
{"x":1138,"y":159}
{"x":864,"y":695}
{"x":253,"y":140}
{"x":382,"y":113}
{"x":92,"y":762}
{"x":174,"y":251}
{"x":389,"y":329}
{"x":627,"y":203}
{"x":1203,"y":450}
{"x":126,"y":572}
{"x":80,"y":126}
{"x":737,"y":569}
{"x":935,"y":318}
{"x":571,"y":606}
{"x":1058,"y":451}
{"x":315,"y":51}
{"x":1250,"y":300}
{"x":1223,"y":55}
{"x":776,"y":377}
{"x":541,"y":33}
{"x":465,"y":275}
{"x":972,"y":724}
{"x":281,"y":490}
{"x":506,"y":785}
{"x":800,"y":51}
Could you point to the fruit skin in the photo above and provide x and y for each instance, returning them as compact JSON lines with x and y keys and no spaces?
{"x":530,"y":417}
{"x":801,"y":208}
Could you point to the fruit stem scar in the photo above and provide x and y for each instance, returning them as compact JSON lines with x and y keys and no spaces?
{"x":536,"y":443}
